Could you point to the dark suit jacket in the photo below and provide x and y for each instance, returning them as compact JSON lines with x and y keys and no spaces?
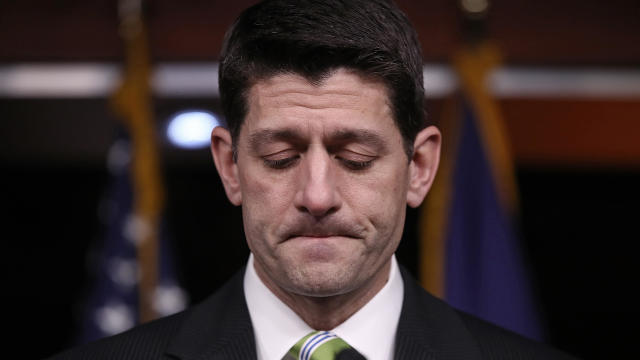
{"x":220,"y":328}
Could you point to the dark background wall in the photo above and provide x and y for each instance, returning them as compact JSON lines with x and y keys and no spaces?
{"x":577,"y":159}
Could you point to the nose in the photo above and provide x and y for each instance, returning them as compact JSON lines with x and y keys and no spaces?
{"x":317,"y":192}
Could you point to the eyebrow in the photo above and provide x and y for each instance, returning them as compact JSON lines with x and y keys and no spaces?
{"x":334,"y":138}
{"x":266,"y":136}
{"x":361,"y":136}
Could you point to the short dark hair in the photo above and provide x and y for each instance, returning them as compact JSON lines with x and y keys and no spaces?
{"x":314,"y":37}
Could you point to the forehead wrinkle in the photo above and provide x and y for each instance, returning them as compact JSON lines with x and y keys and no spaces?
{"x":311,"y":100}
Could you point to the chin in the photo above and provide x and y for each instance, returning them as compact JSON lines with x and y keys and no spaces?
{"x":321,"y":281}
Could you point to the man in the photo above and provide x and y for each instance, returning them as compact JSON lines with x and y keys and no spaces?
{"x":326,"y":145}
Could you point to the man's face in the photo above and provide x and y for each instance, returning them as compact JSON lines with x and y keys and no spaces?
{"x":323,"y":179}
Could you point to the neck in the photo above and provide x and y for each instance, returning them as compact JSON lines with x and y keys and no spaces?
{"x":327,"y":312}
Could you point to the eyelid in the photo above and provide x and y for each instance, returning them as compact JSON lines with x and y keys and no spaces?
{"x":280,"y":154}
{"x":355,"y":160}
{"x":355,"y":155}
{"x":280,"y":163}
{"x":280,"y":159}
{"x":357,"y":165}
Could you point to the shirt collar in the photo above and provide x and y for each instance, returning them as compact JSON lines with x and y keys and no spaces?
{"x":371,"y":330}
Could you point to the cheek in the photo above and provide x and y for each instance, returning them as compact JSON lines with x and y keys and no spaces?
{"x":265,"y":200}
{"x":386,"y":185}
{"x":380,"y":197}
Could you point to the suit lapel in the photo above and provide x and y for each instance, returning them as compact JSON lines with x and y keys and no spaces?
{"x":430,"y":329}
{"x":218,"y":328}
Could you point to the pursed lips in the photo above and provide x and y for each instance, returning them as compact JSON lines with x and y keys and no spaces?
{"x":317,"y":236}
{"x":322,"y":235}
{"x":325,"y":231}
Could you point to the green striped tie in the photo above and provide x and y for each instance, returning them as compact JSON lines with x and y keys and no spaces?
{"x":318,"y":345}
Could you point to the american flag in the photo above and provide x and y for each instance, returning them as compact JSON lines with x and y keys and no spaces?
{"x":113,"y":302}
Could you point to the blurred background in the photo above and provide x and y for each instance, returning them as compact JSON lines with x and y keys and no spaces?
{"x":567,"y":88}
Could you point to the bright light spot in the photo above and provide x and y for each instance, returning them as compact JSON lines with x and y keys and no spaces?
{"x":191,"y":130}
{"x":475,"y":6}
{"x":114,"y":318}
{"x":169,"y":299}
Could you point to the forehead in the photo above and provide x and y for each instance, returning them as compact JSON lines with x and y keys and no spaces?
{"x":343,"y":99}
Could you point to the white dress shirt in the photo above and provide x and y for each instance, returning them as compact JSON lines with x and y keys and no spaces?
{"x":371,"y":330}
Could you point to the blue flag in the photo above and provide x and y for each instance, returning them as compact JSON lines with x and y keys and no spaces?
{"x":113,"y":305}
{"x":472,"y":254}
{"x":485,"y":273}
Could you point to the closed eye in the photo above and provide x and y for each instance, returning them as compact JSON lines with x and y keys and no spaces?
{"x":281,"y":163}
{"x":355,"y":161}
{"x":356,"y":165}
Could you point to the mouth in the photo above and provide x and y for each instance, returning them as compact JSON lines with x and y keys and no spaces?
{"x":320,"y":239}
{"x":322,"y":235}
{"x":334,"y":231}
{"x":320,"y":247}
{"x":315,"y":236}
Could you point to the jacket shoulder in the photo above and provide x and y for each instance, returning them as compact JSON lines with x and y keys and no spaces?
{"x":445,"y":332}
{"x":212,"y":325}
{"x":498,"y":343}
{"x":147,"y":341}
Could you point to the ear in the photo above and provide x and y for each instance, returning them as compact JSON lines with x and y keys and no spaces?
{"x":423,"y":165}
{"x":222,"y":151}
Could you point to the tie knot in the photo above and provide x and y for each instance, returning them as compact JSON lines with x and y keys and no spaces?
{"x":318,"y":345}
